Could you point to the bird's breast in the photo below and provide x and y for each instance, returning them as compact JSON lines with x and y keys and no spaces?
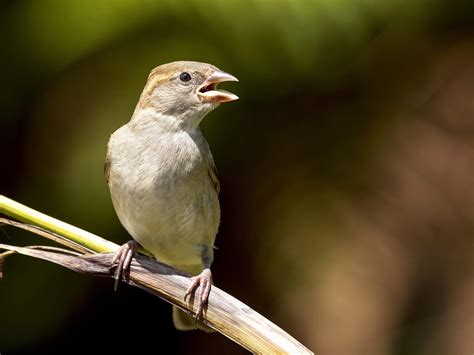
{"x":164,"y":197}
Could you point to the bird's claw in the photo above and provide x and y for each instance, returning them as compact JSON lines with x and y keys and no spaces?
{"x":203,"y":283}
{"x":122,"y":260}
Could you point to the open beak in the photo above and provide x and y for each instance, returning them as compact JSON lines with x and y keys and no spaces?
{"x":208,"y":92}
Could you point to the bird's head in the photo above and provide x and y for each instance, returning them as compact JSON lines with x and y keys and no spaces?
{"x":185,"y":90}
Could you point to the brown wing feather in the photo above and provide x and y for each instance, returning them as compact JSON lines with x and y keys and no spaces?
{"x":107,"y":168}
{"x":213,"y":177}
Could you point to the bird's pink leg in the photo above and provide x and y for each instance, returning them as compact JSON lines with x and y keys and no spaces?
{"x":122,"y":260}
{"x":202,"y":284}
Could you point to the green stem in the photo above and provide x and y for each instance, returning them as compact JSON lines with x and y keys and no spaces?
{"x":28,"y":215}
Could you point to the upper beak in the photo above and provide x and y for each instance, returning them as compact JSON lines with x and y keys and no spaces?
{"x":207,"y":91}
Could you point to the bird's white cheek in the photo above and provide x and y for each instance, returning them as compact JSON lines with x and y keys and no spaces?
{"x":206,"y":107}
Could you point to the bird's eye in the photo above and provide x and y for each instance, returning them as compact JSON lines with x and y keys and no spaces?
{"x":184,"y":76}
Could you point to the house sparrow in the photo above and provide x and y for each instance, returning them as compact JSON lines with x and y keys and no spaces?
{"x":162,"y":177}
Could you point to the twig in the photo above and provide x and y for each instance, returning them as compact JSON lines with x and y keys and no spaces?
{"x":224,"y":313}
{"x":47,"y":234}
{"x":59,"y":228}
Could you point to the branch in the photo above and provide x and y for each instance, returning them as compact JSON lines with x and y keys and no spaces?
{"x":59,"y":228}
{"x":224,"y":313}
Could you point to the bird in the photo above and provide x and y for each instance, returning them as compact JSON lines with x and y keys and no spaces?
{"x":162,"y":177}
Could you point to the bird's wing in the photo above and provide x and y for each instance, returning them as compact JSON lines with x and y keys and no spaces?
{"x":213,"y":176}
{"x":107,"y":168}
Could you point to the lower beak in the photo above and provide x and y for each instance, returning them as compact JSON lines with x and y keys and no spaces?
{"x":208,"y":92}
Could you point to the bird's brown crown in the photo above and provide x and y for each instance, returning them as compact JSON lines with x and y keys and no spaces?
{"x":168,"y":71}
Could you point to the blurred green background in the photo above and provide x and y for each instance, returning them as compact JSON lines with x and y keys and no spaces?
{"x":346,"y":167}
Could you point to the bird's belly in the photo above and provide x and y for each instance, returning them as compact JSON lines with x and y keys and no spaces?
{"x":174,"y":218}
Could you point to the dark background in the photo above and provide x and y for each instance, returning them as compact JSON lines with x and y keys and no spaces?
{"x":346,"y":168}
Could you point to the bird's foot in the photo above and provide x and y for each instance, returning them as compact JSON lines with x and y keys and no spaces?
{"x":202,"y":283}
{"x":122,"y":260}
